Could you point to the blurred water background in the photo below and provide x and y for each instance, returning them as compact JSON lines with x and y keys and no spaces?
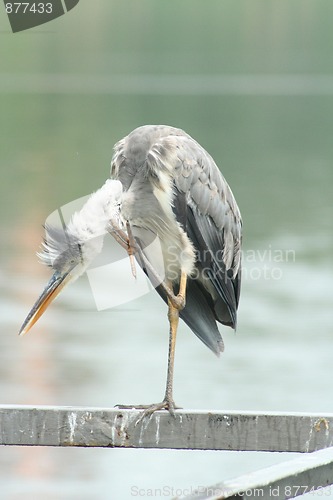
{"x":253,"y":83}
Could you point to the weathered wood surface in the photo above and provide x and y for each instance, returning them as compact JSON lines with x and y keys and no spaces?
{"x":307,"y":474}
{"x":199,"y":430}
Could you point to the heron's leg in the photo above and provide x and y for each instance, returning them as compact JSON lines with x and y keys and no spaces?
{"x":175,"y":305}
{"x":126,"y":241}
{"x":173,"y":316}
{"x":118,"y":234}
{"x":180,"y":299}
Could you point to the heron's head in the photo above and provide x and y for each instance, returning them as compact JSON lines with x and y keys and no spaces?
{"x":69,"y":251}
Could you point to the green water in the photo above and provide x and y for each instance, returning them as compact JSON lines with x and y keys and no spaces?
{"x":253,"y":83}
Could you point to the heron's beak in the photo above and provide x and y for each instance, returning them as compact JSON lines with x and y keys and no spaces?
{"x":50,"y":292}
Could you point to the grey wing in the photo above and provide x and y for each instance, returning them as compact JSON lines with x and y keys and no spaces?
{"x":206,"y":208}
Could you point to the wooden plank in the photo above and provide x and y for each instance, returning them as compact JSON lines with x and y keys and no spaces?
{"x":199,"y":430}
{"x":308,"y":474}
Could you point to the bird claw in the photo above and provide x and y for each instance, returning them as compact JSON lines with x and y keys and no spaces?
{"x":166,"y":404}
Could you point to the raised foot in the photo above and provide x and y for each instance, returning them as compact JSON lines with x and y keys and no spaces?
{"x":166,"y":404}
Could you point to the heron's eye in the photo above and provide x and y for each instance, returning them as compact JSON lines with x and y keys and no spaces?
{"x":80,"y":252}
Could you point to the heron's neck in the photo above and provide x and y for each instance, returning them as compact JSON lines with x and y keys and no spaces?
{"x":92,"y":220}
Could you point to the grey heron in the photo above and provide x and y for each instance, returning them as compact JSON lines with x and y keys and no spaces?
{"x":164,"y":187}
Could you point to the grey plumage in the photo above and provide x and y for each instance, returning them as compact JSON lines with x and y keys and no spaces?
{"x":174,"y":190}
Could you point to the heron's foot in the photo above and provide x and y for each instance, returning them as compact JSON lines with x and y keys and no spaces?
{"x":166,"y":404}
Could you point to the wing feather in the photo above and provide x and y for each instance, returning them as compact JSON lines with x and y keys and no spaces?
{"x":213,"y":223}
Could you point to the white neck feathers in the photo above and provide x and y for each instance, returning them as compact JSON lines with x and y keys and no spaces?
{"x":92,"y":220}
